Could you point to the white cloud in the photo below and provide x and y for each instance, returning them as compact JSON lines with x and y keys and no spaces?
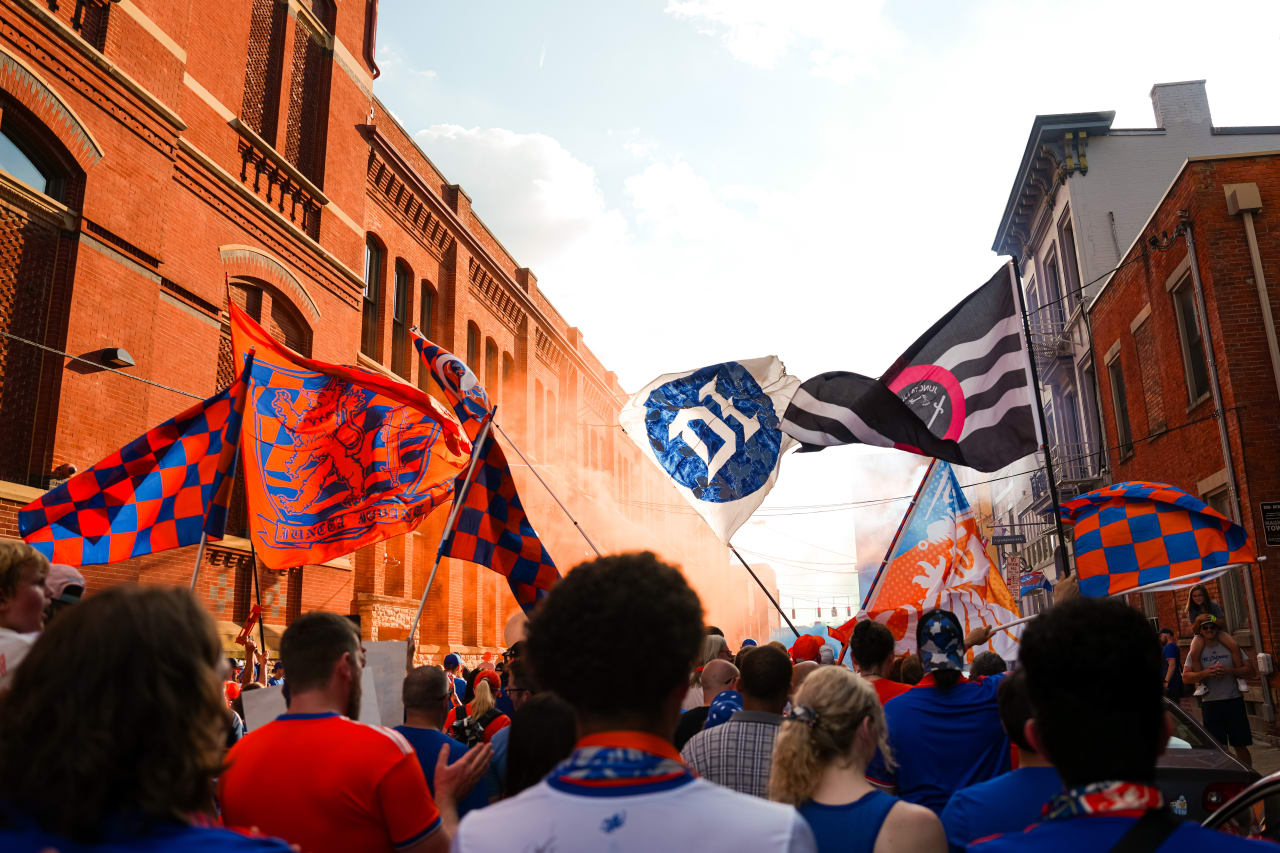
{"x":845,"y":39}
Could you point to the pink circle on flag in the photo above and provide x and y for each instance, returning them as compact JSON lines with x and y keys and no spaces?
{"x":946,"y":381}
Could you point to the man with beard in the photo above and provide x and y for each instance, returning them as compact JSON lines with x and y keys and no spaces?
{"x":325,"y":782}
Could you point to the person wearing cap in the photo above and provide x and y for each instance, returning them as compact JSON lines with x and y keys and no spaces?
{"x":945,"y":733}
{"x":482,"y":708}
{"x":1172,"y":665}
{"x":66,"y":587}
{"x":1218,"y":666}
{"x":23,"y":599}
{"x":805,"y":648}
{"x":453,"y":668}
{"x":276,"y":679}
{"x":624,"y":788}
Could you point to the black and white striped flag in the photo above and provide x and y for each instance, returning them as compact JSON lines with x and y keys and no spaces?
{"x":961,"y":392}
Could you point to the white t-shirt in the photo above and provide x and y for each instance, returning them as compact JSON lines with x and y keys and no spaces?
{"x":13,"y":648}
{"x":676,"y":819}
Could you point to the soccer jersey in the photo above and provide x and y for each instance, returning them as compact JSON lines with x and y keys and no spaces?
{"x":427,"y":743}
{"x":328,"y":783}
{"x":625,"y":792}
{"x":887,"y":689}
{"x":1008,"y":803}
{"x":117,"y":835}
{"x":943,"y":740}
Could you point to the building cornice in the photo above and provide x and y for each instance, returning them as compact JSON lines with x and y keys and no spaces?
{"x":1056,"y":147}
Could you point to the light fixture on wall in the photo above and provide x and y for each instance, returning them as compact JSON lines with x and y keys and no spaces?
{"x":117,"y":357}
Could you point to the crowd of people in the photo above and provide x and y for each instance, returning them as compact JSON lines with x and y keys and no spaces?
{"x":620,"y":723}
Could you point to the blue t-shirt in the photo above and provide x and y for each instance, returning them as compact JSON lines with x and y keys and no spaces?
{"x":426,"y":743}
{"x":1102,"y":832}
{"x":460,"y":687}
{"x":1171,"y":650}
{"x":943,"y":740}
{"x":1008,"y":803}
{"x":851,"y":828}
{"x":166,"y":838}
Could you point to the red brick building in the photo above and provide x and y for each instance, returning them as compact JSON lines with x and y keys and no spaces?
{"x":150,"y":155}
{"x":1155,"y":390}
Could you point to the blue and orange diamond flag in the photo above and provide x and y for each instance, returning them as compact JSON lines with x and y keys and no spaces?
{"x":492,"y":528}
{"x":336,"y":457}
{"x":165,"y":489}
{"x":1135,"y":534}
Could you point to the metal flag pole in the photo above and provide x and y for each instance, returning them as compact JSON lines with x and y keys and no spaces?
{"x":257,"y":597}
{"x":535,"y":473}
{"x":768,"y":594}
{"x":450,"y":522}
{"x":1064,"y":565}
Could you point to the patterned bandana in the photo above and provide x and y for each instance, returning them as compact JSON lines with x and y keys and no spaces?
{"x":725,"y":705}
{"x":1119,"y":799}
{"x":629,"y":762}
{"x":940,"y":640}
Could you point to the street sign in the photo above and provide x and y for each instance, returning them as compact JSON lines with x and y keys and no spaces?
{"x":1015,"y":538}
{"x":1271,"y":523}
{"x":1014,"y":563}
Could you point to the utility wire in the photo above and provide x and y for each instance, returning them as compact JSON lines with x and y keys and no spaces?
{"x":101,"y":367}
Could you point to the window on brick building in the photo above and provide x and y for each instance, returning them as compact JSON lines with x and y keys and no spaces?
{"x":426,"y":325}
{"x":491,"y":370}
{"x":400,"y":319}
{"x":539,"y":418}
{"x":1053,"y":287}
{"x":371,"y":310}
{"x":264,"y":67}
{"x":307,"y":121}
{"x":36,"y":268}
{"x":1193,"y":356}
{"x":508,"y":379}
{"x":1230,"y":585}
{"x":473,"y":348}
{"x":1070,"y":266}
{"x":1120,"y":404}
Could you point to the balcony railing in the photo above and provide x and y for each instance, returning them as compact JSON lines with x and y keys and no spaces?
{"x":1049,"y":341}
{"x":278,"y":182}
{"x":1078,"y":468}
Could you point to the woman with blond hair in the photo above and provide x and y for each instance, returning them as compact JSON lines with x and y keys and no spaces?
{"x":714,"y":647}
{"x":819,"y":766}
{"x":481,"y":710}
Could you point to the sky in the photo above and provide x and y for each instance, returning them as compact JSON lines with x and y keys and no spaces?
{"x":696,"y":181}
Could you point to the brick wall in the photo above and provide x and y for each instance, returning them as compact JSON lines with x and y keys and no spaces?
{"x":1188,"y":454}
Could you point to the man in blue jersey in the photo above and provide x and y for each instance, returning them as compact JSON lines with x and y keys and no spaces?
{"x":426,"y":695}
{"x":1011,"y":801}
{"x":945,"y":733}
{"x":1095,"y":677}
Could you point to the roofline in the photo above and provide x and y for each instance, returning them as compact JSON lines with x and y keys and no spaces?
{"x":1039,"y":125}
{"x":1199,"y":158}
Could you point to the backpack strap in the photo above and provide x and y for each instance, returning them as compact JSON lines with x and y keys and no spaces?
{"x":488,"y":717}
{"x":1148,"y":833}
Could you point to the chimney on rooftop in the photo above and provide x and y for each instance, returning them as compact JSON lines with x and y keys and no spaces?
{"x":1180,"y":104}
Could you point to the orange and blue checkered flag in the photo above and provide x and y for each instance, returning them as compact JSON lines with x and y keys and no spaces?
{"x":492,"y":528}
{"x":1137,"y":534}
{"x":165,"y":489}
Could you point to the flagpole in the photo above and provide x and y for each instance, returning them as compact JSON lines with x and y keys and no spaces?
{"x":458,"y":500}
{"x":897,"y":533}
{"x":257,"y":595}
{"x":548,"y":488}
{"x":195,"y":573}
{"x":768,"y":594}
{"x":1044,"y":432}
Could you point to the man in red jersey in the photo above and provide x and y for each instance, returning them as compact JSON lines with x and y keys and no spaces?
{"x":325,"y":782}
{"x":872,"y":648}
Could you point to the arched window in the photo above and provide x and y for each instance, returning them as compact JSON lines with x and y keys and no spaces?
{"x":400,"y":301}
{"x":473,"y":348}
{"x":539,"y":416}
{"x":37,"y":264}
{"x":374,"y":256}
{"x":426,"y":325}
{"x":491,"y":370}
{"x":508,"y":379}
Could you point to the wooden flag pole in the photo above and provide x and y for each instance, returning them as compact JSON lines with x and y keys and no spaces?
{"x":535,"y":473}
{"x":449,"y":524}
{"x":768,"y":594}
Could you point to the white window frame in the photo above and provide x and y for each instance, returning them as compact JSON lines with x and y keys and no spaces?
{"x":1178,"y":282}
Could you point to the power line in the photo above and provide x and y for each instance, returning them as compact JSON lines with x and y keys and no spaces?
{"x":99,"y":366}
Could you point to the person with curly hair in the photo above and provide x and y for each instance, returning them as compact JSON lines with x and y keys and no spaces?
{"x":100,"y":753}
{"x":820,"y":762}
{"x":24,"y":600}
{"x":624,"y":788}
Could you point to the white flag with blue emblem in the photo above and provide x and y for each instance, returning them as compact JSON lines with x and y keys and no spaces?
{"x":716,"y":432}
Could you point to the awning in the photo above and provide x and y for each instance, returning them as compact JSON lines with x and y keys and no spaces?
{"x":228,"y":631}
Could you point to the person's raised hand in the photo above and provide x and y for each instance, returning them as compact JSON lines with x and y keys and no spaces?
{"x":1066,"y":589}
{"x":977,"y":636}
